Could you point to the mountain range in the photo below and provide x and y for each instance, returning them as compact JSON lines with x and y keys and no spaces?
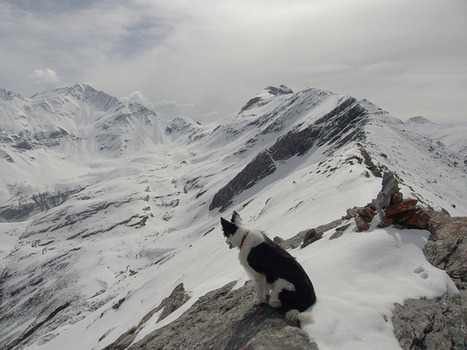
{"x":105,"y":207}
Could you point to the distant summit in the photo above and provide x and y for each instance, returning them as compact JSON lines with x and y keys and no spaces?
{"x":419,"y":120}
{"x":281,"y":90}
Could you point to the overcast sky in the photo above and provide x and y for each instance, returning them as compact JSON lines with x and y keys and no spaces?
{"x":207,"y":58}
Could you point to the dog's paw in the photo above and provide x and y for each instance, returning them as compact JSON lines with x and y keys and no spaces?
{"x":275,"y":303}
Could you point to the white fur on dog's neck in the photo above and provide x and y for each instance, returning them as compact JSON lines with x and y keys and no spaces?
{"x":253,"y":238}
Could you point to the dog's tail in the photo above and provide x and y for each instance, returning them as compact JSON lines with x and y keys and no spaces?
{"x":296,"y":316}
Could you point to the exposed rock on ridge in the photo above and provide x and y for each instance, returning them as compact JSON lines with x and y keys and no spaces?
{"x":421,"y":323}
{"x":177,"y":298}
{"x":226,"y":319}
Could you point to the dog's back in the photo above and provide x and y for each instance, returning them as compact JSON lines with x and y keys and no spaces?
{"x":276,"y":263}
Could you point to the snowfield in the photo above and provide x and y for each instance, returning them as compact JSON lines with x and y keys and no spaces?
{"x":137,"y":222}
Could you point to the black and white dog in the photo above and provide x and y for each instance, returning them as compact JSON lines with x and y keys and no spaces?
{"x":277,"y":275}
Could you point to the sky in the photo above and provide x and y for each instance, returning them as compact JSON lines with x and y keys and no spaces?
{"x":206,"y":58}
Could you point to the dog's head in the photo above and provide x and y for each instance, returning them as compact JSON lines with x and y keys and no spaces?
{"x":231,"y":229}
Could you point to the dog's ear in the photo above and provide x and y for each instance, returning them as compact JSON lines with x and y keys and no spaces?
{"x":236,"y":219}
{"x":229,"y":228}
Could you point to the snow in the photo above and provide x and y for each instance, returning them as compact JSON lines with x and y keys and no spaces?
{"x":171,"y":179}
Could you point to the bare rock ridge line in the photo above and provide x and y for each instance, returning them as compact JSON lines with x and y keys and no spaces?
{"x":177,"y":298}
{"x":36,"y":326}
{"x":226,"y":319}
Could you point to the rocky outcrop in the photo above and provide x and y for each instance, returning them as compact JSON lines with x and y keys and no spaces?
{"x":422,"y":323}
{"x":260,"y":167}
{"x":430,"y":324}
{"x":272,"y":90}
{"x":447,"y":246}
{"x":39,"y":202}
{"x":306,"y":237}
{"x":177,"y":298}
{"x":226,"y":319}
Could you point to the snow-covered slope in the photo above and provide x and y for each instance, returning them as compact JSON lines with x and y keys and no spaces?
{"x":450,"y":136}
{"x":105,"y":217}
{"x":56,"y":134}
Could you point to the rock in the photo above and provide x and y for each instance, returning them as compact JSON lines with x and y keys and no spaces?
{"x":339,"y":231}
{"x":310,"y":237}
{"x":226,"y":319}
{"x":430,"y":324}
{"x":260,"y":167}
{"x":126,"y":341}
{"x":177,"y":298}
{"x":119,"y":303}
{"x":419,"y":219}
{"x":447,"y":246}
{"x":281,"y":90}
{"x":395,"y":208}
{"x":364,"y":217}
{"x":390,"y":188}
{"x":278,"y":240}
{"x":372,"y":167}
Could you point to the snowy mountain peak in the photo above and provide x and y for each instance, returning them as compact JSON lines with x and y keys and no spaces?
{"x":280,"y":90}
{"x":79,"y":93}
{"x":8,"y":95}
{"x":419,"y":120}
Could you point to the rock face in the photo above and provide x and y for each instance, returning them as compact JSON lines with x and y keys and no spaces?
{"x":177,"y":298}
{"x":430,"y":324}
{"x":341,"y":125}
{"x":447,"y":247}
{"x":38,"y":202}
{"x":258,"y":168}
{"x":226,"y":319}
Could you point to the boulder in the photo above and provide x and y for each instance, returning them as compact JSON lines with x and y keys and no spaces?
{"x":364,"y":217}
{"x":311,"y":236}
{"x":447,"y":246}
{"x":430,"y":324}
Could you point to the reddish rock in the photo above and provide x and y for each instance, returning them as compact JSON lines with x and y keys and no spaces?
{"x":396,"y":198}
{"x":386,"y":221}
{"x":364,"y":217}
{"x":397,"y":208}
{"x":419,"y":219}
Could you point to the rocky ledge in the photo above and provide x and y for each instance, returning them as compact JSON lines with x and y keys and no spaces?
{"x":226,"y":319}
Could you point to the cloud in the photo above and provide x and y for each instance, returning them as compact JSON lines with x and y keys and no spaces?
{"x":45,"y":76}
{"x":217,"y":54}
{"x":167,"y":109}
